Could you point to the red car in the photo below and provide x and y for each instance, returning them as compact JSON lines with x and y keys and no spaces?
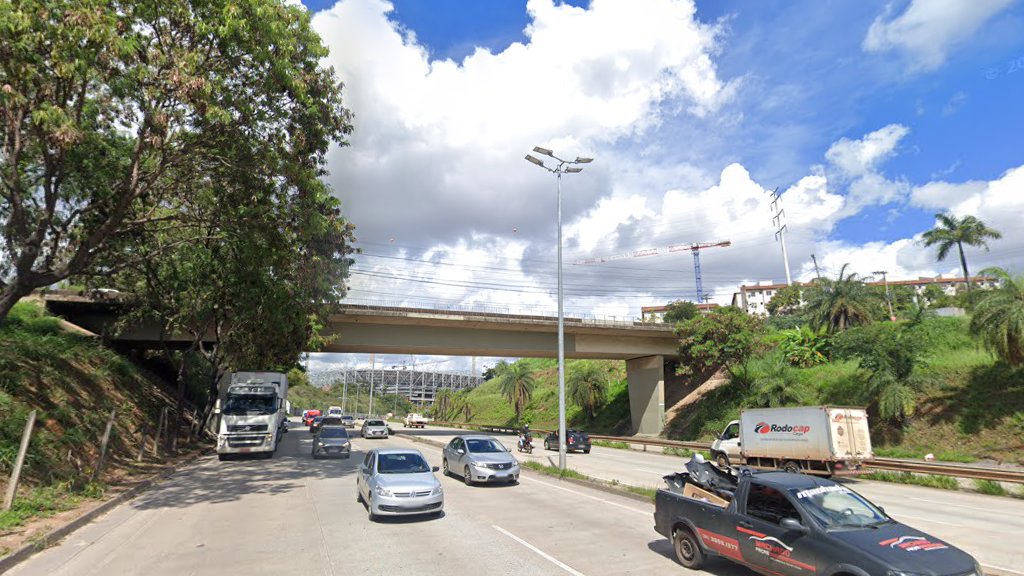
{"x":308,"y":416}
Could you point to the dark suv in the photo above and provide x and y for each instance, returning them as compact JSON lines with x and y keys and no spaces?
{"x":574,"y":440}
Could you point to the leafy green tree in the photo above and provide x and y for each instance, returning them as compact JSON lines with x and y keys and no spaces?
{"x":725,"y":338}
{"x":679,"y":311}
{"x":516,"y":384}
{"x":786,"y":301}
{"x":953,"y":231}
{"x":780,"y":387}
{"x":588,"y":386}
{"x":935,"y":297}
{"x":804,"y":348}
{"x":836,"y":305}
{"x":889,"y":352}
{"x":999,"y":317}
{"x":115,"y":110}
{"x":495,"y":371}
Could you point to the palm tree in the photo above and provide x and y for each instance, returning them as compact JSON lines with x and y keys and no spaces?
{"x":953,"y":231}
{"x":841,"y":303}
{"x":588,"y":386}
{"x":999,"y":317}
{"x":516,"y":384}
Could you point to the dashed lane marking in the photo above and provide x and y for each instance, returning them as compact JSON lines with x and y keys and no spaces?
{"x":540,"y":552}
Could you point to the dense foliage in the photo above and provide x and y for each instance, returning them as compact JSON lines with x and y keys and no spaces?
{"x":679,"y":311}
{"x":999,"y":317}
{"x":835,"y":305}
{"x":132,"y":123}
{"x":587,"y":384}
{"x":724,"y":338}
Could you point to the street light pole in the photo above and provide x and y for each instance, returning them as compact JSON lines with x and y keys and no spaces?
{"x":570,"y":167}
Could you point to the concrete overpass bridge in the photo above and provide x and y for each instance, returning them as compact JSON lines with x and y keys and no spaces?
{"x":647,"y":349}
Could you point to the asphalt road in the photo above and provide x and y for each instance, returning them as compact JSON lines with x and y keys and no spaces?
{"x":293,"y":514}
{"x":985,"y":526}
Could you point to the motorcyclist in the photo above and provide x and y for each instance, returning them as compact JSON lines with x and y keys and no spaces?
{"x":525,"y":436}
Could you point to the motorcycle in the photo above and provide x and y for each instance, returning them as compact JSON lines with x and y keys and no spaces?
{"x":525,"y":444}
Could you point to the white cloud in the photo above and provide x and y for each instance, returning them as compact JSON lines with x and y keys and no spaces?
{"x":861,"y":157}
{"x":857,"y":162}
{"x":929,"y":29}
{"x":997,"y":203}
{"x":437,"y":152}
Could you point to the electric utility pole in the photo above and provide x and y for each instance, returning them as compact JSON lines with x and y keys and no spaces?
{"x":780,"y":229}
{"x":817,"y":273}
{"x":888,"y":298}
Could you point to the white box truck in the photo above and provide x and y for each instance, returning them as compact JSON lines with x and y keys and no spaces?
{"x":822,"y":440}
{"x":253,"y":413}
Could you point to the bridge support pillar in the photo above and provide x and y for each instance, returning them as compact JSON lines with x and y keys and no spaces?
{"x":646,"y":380}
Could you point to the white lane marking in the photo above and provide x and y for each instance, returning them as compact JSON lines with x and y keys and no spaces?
{"x":588,"y":496}
{"x":1000,"y":568}
{"x":902,"y":515}
{"x":543,"y":554}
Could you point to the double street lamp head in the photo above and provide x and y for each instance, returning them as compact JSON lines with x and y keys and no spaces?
{"x":570,"y":169}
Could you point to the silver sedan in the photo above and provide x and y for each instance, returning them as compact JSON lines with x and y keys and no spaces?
{"x":480,"y":459}
{"x":398,"y":482}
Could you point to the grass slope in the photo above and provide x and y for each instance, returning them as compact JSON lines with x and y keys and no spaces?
{"x":73,"y":383}
{"x":969,"y":406}
{"x":489,"y":406}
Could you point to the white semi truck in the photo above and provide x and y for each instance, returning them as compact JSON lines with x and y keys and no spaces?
{"x":822,"y":440}
{"x":253,"y":413}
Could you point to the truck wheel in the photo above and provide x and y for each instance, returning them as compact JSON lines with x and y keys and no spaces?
{"x":687,"y":549}
{"x":791,"y":467}
{"x":723,"y":460}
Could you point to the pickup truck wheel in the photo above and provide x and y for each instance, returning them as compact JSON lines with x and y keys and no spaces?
{"x":791,"y":467}
{"x":687,"y":549}
{"x":722,"y":460}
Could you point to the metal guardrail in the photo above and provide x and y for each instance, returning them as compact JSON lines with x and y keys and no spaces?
{"x":893,"y":464}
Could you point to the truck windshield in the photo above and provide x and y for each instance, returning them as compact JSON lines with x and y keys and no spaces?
{"x":835,"y":506}
{"x":242,"y":405}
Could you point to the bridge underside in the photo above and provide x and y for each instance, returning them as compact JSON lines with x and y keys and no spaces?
{"x":644,"y":347}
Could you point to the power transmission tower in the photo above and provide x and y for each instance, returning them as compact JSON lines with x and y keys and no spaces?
{"x":780,"y":229}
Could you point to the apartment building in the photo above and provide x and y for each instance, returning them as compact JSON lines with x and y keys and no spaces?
{"x":754,"y":298}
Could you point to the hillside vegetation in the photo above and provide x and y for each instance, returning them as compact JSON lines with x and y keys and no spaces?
{"x":73,"y":382}
{"x":967,"y":405}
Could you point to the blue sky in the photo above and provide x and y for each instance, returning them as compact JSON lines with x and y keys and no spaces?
{"x":870,"y":117}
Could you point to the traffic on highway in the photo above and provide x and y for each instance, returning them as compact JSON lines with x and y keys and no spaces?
{"x":311,"y":516}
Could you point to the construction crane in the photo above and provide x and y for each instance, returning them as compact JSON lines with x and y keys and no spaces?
{"x":694,"y":247}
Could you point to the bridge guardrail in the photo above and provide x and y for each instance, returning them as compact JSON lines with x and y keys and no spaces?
{"x":893,"y":464}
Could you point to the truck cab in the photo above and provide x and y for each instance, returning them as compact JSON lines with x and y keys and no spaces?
{"x":252,"y":411}
{"x":726,"y":448}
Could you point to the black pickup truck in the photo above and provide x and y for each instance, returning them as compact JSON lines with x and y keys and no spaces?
{"x":785,"y":524}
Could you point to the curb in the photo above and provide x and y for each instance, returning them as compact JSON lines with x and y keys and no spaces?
{"x":601,"y":485}
{"x":57,"y":534}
